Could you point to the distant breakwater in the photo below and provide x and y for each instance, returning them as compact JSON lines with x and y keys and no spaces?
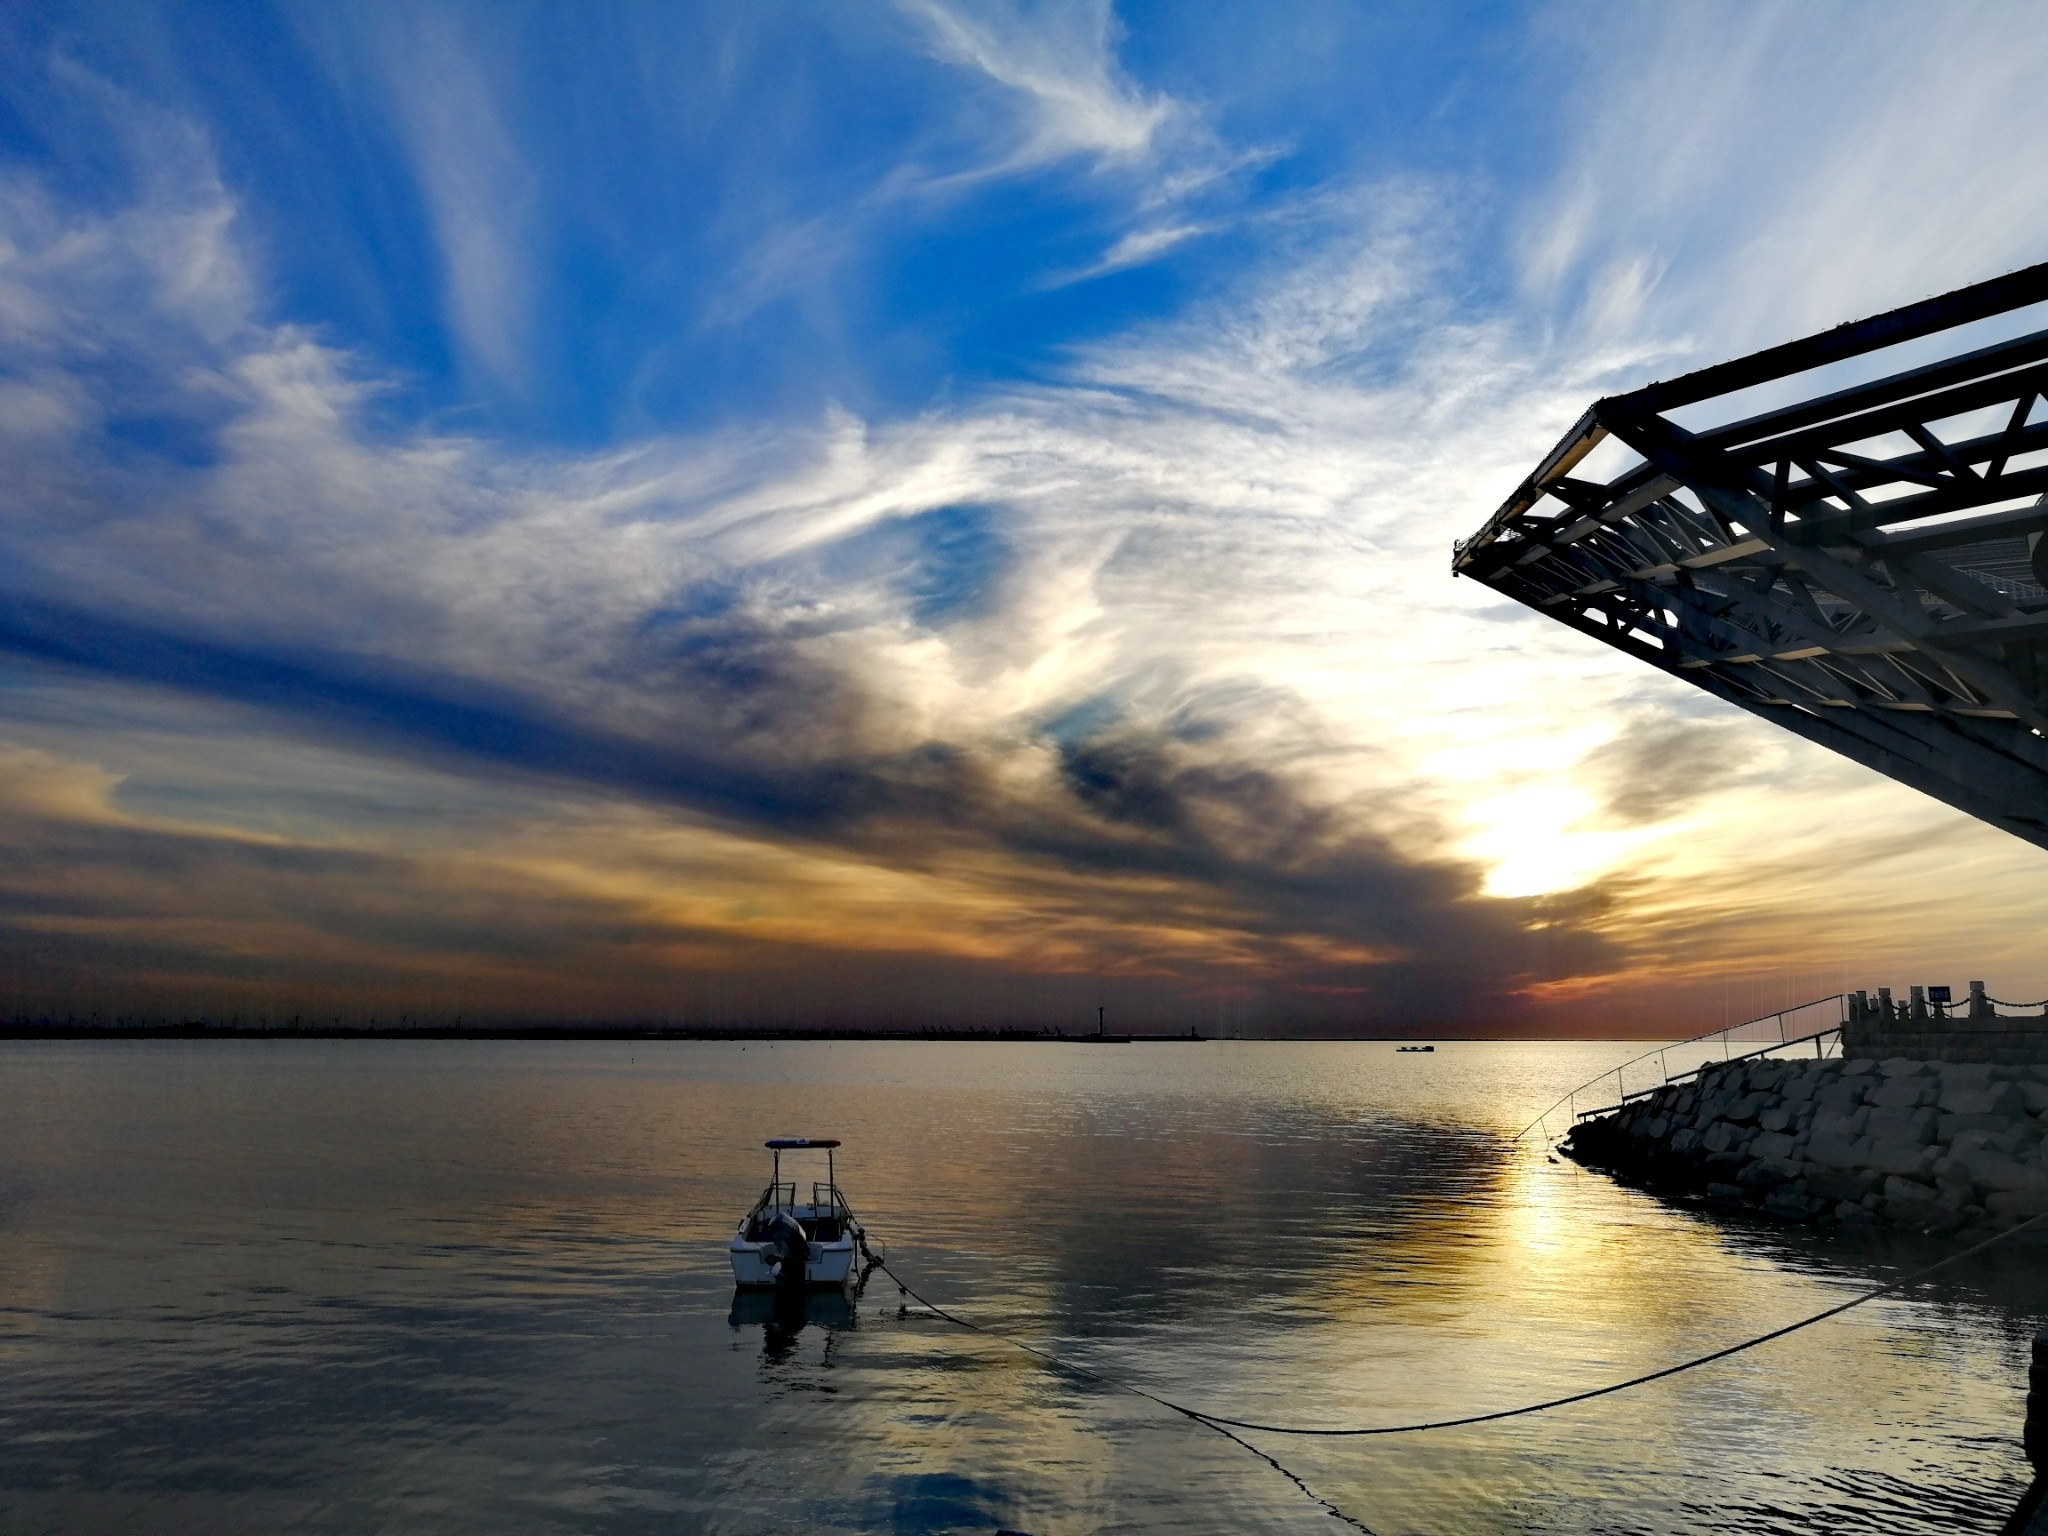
{"x":1931,"y":1146}
{"x":73,"y":1029}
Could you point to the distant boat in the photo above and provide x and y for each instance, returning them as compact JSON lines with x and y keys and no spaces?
{"x":784,"y":1242}
{"x":1406,"y":1048}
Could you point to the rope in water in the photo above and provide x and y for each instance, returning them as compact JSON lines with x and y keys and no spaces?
{"x":1222,"y":1423}
{"x":1059,"y":1364}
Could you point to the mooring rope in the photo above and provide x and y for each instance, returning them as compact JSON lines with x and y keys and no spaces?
{"x":1221,"y":1422}
{"x":1060,"y":1364}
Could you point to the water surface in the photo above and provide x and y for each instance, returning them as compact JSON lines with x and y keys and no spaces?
{"x":425,"y":1286}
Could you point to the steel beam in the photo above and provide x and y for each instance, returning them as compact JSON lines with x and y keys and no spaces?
{"x":1811,"y":563}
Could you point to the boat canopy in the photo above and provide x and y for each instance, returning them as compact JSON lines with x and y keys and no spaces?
{"x":790,"y":1143}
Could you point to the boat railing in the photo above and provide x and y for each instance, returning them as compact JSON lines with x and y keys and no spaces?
{"x":784,"y":1194}
{"x":1814,"y":1026}
{"x":823,"y":1193}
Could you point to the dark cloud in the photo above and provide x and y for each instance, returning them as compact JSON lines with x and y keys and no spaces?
{"x":435,"y":712}
{"x":116,"y":919}
{"x":1659,"y":767}
{"x":1328,"y":920}
{"x":1336,"y":911}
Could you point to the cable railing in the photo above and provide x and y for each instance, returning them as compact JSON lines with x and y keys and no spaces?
{"x":1817,"y":1024}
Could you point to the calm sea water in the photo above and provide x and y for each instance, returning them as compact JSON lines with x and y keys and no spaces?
{"x":480,"y":1287}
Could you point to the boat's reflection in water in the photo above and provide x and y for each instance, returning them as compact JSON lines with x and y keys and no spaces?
{"x":782,"y":1314}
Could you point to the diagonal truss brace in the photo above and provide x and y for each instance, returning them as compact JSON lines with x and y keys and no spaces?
{"x":1867,"y":567}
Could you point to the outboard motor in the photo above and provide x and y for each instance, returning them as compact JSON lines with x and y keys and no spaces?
{"x":789,"y":1250}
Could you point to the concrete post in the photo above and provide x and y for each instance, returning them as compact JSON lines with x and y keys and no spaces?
{"x":1919,"y":996}
{"x":1980,"y":1003}
{"x":1884,"y":1005}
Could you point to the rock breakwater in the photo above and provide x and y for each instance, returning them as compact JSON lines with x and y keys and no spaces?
{"x":1927,"y":1145}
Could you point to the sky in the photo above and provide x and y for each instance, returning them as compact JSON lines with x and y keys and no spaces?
{"x":932,"y":512}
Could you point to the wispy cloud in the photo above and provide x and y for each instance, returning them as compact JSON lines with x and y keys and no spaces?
{"x":427,"y":79}
{"x":1134,"y":249}
{"x":1058,"y":61}
{"x":1149,"y":667}
{"x":1737,"y":180}
{"x":1055,"y":64}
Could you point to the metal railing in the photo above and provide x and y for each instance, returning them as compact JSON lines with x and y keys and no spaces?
{"x":781,"y":1195}
{"x":1817,"y":1024}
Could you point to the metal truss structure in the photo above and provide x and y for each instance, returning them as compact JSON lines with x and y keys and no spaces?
{"x":1865,"y":567}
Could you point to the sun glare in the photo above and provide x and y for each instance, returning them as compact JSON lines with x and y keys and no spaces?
{"x":1540,"y":839}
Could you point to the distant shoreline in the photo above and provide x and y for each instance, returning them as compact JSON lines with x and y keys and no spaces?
{"x":571,"y":1032}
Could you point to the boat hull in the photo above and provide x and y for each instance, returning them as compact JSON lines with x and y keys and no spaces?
{"x":829,"y":1264}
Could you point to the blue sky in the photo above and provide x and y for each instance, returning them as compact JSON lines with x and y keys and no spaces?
{"x":927,"y":509}
{"x":581,"y":225}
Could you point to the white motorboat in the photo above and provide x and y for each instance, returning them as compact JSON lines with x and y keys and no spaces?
{"x":784,"y":1241}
